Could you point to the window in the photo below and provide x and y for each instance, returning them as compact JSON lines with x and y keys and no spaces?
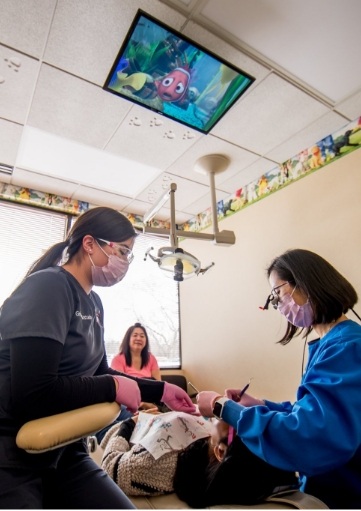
{"x":25,"y":233}
{"x":148,"y":297}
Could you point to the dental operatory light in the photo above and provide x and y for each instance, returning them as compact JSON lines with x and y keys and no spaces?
{"x":175,"y":262}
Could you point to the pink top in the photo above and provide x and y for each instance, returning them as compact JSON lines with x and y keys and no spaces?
{"x":119,"y":364}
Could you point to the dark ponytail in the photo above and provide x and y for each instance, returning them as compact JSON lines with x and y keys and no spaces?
{"x":101,"y":222}
{"x":52,"y":257}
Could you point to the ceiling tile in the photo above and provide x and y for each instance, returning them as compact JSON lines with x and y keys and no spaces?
{"x":73,"y":108}
{"x":145,"y":136}
{"x":226,"y":51}
{"x":100,"y":198}
{"x":28,"y":179}
{"x":25,"y":25}
{"x":10,"y":135}
{"x":56,"y":55}
{"x":89,"y":48}
{"x":314,"y":132}
{"x":182,"y":217}
{"x":18,"y":75}
{"x":272,"y":112}
{"x":163,"y":214}
{"x":137,"y":207}
{"x":208,"y":144}
{"x":184,"y":3}
{"x":62,"y":158}
{"x":277,"y":30}
{"x":4,"y":179}
{"x":351,"y":107}
{"x":187,"y":191}
{"x":249,"y":174}
{"x":204,"y":202}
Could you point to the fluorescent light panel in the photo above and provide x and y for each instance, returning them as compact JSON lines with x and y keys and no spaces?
{"x":58,"y":157}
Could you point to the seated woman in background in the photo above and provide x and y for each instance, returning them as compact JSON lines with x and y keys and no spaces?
{"x":134,"y":357}
{"x":150,"y":455}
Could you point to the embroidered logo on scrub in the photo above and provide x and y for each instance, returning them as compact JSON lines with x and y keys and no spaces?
{"x":78,"y":313}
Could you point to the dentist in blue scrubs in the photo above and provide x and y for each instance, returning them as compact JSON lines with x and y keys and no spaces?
{"x":319,"y":435}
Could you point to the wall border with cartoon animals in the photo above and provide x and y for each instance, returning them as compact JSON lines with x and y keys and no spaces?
{"x":301,"y":165}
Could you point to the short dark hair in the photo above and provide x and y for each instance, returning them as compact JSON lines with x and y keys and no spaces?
{"x":329,"y":293}
{"x":245,"y":478}
{"x":190,"y":479}
{"x":125,"y":348}
{"x":240,"y":478}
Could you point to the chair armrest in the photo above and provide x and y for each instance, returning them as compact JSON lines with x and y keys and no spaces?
{"x":47,"y":433}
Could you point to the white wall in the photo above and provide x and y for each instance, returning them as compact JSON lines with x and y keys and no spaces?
{"x":226,"y":338}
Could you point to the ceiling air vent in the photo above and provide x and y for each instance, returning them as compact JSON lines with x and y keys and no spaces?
{"x":6,"y":169}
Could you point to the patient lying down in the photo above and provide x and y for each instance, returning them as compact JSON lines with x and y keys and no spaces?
{"x":152,"y":455}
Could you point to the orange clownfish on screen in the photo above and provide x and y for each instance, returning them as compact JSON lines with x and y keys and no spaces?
{"x":174,"y":85}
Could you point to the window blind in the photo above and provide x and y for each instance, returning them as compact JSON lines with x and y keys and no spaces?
{"x":25,"y":234}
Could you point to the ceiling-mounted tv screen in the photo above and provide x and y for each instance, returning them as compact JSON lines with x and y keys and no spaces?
{"x":168,"y":73}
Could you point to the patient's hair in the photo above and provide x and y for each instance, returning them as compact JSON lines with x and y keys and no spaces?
{"x":240,"y":478}
{"x":190,"y":479}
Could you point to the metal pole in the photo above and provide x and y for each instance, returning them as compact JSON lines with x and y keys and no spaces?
{"x":172,"y":234}
{"x":213,"y":202}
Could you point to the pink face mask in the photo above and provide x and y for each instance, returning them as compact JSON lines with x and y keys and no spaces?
{"x":112,"y":273}
{"x":298,"y":315}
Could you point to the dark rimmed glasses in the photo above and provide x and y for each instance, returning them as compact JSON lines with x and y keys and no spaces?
{"x":273,"y":298}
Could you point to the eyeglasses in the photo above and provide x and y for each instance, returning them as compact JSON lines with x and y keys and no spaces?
{"x":122,"y":250}
{"x":273,"y":298}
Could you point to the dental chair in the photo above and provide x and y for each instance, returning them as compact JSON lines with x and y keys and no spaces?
{"x":52,"y":432}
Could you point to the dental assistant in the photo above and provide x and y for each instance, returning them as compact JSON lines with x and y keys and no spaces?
{"x":52,"y":359}
{"x":319,"y":435}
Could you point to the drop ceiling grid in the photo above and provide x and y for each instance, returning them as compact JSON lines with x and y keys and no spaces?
{"x":187,"y":191}
{"x":239,"y":159}
{"x":277,"y":30}
{"x":19,"y":74}
{"x":88,"y":48}
{"x":42,"y":183}
{"x":26,"y":26}
{"x":75,"y":109}
{"x":305,"y":138}
{"x":269,"y":114}
{"x":11,"y":132}
{"x":75,"y":44}
{"x":248,"y":175}
{"x":147,"y":137}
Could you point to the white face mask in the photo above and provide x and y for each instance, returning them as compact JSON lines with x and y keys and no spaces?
{"x":112,"y":273}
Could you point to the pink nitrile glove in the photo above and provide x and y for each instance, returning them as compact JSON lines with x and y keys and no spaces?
{"x":206,"y":400}
{"x":177,"y":399}
{"x":246,"y":399}
{"x":127,"y":393}
{"x":196,"y":412}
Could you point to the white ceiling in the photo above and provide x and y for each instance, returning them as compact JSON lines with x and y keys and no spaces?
{"x":64,"y":134}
